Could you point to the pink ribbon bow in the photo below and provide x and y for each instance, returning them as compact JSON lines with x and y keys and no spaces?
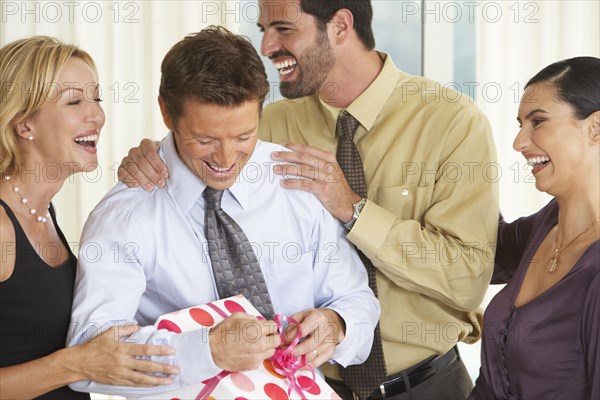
{"x":287,"y":364}
{"x":283,"y":361}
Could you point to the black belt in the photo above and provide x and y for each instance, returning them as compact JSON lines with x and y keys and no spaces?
{"x":395,"y":384}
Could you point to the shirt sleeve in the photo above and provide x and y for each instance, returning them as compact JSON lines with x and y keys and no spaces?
{"x":512,"y":241}
{"x":446,"y":251}
{"x":341,"y":284}
{"x":111,"y":279}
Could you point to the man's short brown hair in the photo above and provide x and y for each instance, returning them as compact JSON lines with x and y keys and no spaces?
{"x":214,"y":66}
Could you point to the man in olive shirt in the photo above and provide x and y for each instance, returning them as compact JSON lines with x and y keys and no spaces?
{"x":428,"y":223}
{"x":430,"y":219}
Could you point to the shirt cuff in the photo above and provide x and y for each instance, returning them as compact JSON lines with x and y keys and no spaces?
{"x":371,"y":229}
{"x":347,"y":351}
{"x":194,"y":357}
{"x":342,"y":354}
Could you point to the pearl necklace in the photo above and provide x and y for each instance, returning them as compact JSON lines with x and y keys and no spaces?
{"x":554,"y":260}
{"x":25,"y":201}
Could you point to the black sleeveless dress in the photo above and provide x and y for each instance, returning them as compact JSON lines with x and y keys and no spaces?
{"x":35,"y":305}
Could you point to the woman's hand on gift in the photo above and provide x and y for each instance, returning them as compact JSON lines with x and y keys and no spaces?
{"x":106,"y":359}
{"x":322,"y":330}
{"x":241,"y":342}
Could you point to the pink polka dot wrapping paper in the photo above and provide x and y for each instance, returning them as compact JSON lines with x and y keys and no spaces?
{"x":264,"y":383}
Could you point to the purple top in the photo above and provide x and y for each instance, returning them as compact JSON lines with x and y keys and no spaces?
{"x":548,"y":348}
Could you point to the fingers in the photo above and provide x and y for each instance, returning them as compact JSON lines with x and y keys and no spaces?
{"x":313,"y":157}
{"x":326,"y":172}
{"x":150,"y":151}
{"x":319,"y":355}
{"x":301,"y":184}
{"x":316,"y":171}
{"x":128,"y":377}
{"x":143,"y":167}
{"x":321,"y":332}
{"x":310,"y":150}
{"x":241,"y":342}
{"x":118,"y":332}
{"x":152,"y":367}
{"x":124,"y":175}
{"x":310,"y":173}
{"x":130,"y":353}
{"x":147,"y":350}
{"x":131,"y":173}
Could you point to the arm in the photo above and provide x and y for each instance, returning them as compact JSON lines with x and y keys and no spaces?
{"x":440,"y":252}
{"x":341,"y":327}
{"x":143,"y":167}
{"x":234,"y":349}
{"x":446,"y":251}
{"x":512,"y":239}
{"x":105,"y":360}
{"x":109,"y":286}
{"x":591,"y":333}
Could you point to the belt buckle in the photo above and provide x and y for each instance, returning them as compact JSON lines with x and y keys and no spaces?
{"x":382,"y":390}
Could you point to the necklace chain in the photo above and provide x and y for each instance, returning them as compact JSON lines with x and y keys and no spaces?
{"x":25,"y":201}
{"x":554,"y":260}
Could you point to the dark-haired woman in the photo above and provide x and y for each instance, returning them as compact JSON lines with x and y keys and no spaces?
{"x":541,"y":335}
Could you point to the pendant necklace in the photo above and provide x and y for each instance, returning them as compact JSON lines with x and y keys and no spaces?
{"x":554,"y":260}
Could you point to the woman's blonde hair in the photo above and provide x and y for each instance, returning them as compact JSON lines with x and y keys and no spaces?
{"x":28,"y":69}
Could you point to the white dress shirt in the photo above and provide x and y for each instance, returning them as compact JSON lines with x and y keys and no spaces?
{"x":145,"y":254}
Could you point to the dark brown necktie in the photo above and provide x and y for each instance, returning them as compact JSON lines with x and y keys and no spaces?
{"x":363,"y":379}
{"x":234,"y":263}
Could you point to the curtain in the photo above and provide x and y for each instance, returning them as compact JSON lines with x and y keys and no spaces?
{"x":515,"y":40}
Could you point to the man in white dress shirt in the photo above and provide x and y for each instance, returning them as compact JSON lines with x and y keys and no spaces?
{"x":144,"y":254}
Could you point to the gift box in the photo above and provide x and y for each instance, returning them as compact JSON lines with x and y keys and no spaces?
{"x":267,"y":382}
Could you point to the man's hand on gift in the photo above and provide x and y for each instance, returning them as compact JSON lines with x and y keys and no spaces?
{"x":322,"y":330}
{"x":242,"y":343}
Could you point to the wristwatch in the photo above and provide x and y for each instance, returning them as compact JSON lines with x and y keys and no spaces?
{"x":358,"y":206}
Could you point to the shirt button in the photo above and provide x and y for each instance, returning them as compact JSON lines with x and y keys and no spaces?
{"x":404,"y":192}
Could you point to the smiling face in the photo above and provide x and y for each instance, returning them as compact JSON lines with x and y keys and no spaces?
{"x":65,"y":130}
{"x":555,"y":144}
{"x":298,"y":49}
{"x":215,"y":142}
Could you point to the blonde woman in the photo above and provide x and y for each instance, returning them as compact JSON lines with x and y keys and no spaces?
{"x":51,"y":120}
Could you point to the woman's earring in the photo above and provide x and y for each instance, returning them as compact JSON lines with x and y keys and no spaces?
{"x":30,"y":137}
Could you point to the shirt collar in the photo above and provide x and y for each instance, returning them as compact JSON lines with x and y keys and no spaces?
{"x":366,"y":107}
{"x":185,"y":187}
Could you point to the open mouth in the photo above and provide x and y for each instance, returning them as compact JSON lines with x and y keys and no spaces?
{"x":285,"y":67}
{"x":220,"y":170}
{"x":87,"y":141}
{"x":537,"y":161}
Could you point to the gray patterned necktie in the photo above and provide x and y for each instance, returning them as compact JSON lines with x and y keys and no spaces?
{"x":363,"y":379}
{"x":234,"y":263}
